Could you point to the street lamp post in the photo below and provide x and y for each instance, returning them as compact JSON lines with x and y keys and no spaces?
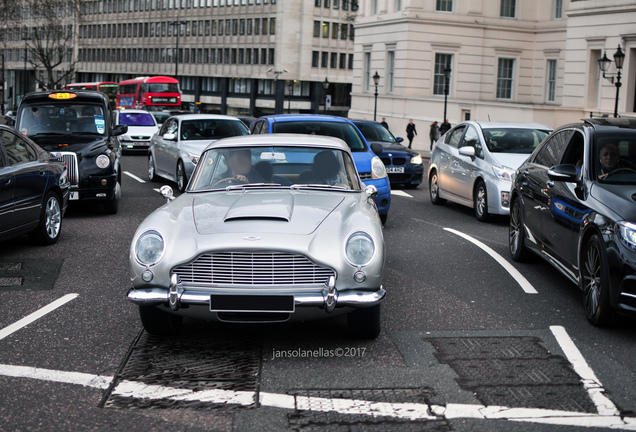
{"x":176,"y":54}
{"x":447,"y":73}
{"x":604,"y":63}
{"x":326,"y":87}
{"x":291,"y":93}
{"x":376,"y":80}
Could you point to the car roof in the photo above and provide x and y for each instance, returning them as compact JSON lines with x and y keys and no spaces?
{"x":291,"y":140}
{"x":611,"y":123}
{"x":205,"y":117}
{"x":81,"y":96}
{"x":307,"y":117}
{"x":362,"y":121}
{"x":507,"y":125}
{"x":134,"y":111}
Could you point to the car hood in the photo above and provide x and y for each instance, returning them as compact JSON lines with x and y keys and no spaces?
{"x":620,"y":199}
{"x":394,"y":148}
{"x":292,"y":212}
{"x":510,"y":160}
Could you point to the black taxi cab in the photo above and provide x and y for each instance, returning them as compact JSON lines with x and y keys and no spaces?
{"x":75,"y":126}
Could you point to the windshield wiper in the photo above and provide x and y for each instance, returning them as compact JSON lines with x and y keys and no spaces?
{"x":51,"y":134}
{"x":316,"y":186}
{"x":251,"y":185}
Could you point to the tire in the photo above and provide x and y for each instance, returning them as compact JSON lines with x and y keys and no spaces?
{"x":182,"y":178}
{"x":433,"y":189}
{"x":480,"y":202}
{"x":595,"y":284}
{"x":517,"y":237}
{"x":383,"y":218}
{"x":50,"y":226}
{"x":159,"y":323}
{"x":152,"y":169}
{"x":111,"y":206}
{"x":364,"y":323}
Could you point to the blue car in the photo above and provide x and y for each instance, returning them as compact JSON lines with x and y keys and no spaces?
{"x":365,"y":156}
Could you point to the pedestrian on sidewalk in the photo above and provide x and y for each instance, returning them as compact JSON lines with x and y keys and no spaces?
{"x":410,"y":132}
{"x":444,"y":127}
{"x":434,"y":133}
{"x":384,"y":123}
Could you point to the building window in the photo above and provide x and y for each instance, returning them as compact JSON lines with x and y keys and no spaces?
{"x":439,"y":81}
{"x":316,"y":28}
{"x":508,"y":9}
{"x":391,"y":71}
{"x":558,"y":9}
{"x":315,"y":59}
{"x":505,"y":73}
{"x":317,"y":3}
{"x":351,"y":61}
{"x":334,"y":31}
{"x":444,"y":6}
{"x":367,"y":71}
{"x":343,"y":60}
{"x":334,"y":60}
{"x":325,"y":29}
{"x":551,"y":83}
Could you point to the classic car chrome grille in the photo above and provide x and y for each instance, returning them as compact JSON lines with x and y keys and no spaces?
{"x":70,"y":159}
{"x":246,"y":268}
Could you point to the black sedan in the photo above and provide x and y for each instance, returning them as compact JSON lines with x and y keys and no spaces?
{"x":34,"y":189}
{"x":403,"y":165}
{"x":573,"y":203}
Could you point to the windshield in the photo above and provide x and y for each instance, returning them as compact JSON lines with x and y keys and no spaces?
{"x":281,"y":166}
{"x":512,"y":140}
{"x":345,"y":131}
{"x":614,"y":157}
{"x":376,"y":132}
{"x":136,"y":119}
{"x":207,"y":129}
{"x":61,"y":117}
{"x":161,"y":88}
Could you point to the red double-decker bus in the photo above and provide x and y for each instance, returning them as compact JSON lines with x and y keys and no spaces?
{"x":151,"y":93}
{"x":110,"y":88}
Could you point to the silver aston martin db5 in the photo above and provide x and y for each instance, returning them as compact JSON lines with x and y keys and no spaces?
{"x":271,"y":228}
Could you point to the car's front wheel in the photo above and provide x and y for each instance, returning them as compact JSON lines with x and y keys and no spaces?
{"x":433,"y":189}
{"x":159,"y":323}
{"x":365,"y":322}
{"x":480,"y":199}
{"x":182,"y":179}
{"x":596,"y":285}
{"x":50,"y":226}
{"x":516,"y":236}
{"x":112,"y":205}
{"x":152,"y":170}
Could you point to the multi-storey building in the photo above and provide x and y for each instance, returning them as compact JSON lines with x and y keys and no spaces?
{"x":513,"y":60}
{"x":231,"y":56}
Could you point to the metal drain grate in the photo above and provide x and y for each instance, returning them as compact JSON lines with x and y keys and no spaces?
{"x":320,"y":418}
{"x":514,"y":372}
{"x":223,"y":360}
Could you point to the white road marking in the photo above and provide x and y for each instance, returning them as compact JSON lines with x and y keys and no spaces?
{"x":521,"y":280}
{"x":84,"y":379}
{"x":591,"y":383}
{"x":400,"y":193}
{"x":132,"y":176}
{"x":36,"y":315}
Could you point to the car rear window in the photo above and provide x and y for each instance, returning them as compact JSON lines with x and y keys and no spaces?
{"x":345,"y":131}
{"x":136,"y":119}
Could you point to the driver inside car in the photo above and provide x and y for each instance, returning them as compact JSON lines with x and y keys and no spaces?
{"x":240,"y":168}
{"x":609,"y":158}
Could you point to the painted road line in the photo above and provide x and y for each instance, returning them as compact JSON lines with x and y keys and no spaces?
{"x":591,"y":383}
{"x":132,"y":176}
{"x":521,"y":280}
{"x":36,"y":315}
{"x":84,"y":379}
{"x":400,"y":193}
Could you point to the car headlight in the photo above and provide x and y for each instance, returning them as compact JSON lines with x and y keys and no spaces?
{"x":102,"y":161}
{"x":627,"y":232}
{"x":149,"y":248}
{"x":378,"y":170}
{"x":194,"y":158}
{"x":504,"y":173}
{"x":416,"y":160}
{"x":360,"y":248}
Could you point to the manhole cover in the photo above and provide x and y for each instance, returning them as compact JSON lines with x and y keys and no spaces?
{"x":320,"y":417}
{"x":514,"y":372}
{"x":225,"y":360}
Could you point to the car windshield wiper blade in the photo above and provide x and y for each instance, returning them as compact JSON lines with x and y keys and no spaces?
{"x":316,"y":186}
{"x":251,"y":185}
{"x":51,"y":134}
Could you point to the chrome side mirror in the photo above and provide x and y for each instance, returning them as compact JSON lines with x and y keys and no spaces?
{"x":167,"y":192}
{"x":371,"y":192}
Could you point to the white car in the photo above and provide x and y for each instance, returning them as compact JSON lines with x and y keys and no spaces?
{"x":174,"y":151}
{"x":474,"y":163}
{"x":141,"y":127}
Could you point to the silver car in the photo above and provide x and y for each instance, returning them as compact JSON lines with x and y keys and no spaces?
{"x":474,"y":163}
{"x":175,"y":149}
{"x":141,"y":127}
{"x":272,"y":228}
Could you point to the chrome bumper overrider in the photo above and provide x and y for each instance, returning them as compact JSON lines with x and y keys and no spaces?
{"x":329,"y":298}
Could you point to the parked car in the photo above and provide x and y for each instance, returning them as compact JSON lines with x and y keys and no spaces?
{"x":9,"y":118}
{"x":75,"y":126}
{"x":368,"y":163}
{"x":141,"y":127}
{"x":175,"y":150}
{"x":473,"y":164}
{"x":34,"y":189}
{"x":271,"y":228}
{"x":160,"y":117}
{"x":403,"y":165}
{"x":572,"y":203}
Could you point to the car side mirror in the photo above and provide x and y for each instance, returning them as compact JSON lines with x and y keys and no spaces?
{"x":376,"y":147}
{"x":170,"y":137}
{"x":371,"y":192}
{"x":120,"y":130}
{"x":564,"y":173}
{"x":399,"y":139}
{"x":467,"y":151}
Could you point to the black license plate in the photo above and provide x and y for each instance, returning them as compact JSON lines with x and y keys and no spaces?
{"x":251,"y":303}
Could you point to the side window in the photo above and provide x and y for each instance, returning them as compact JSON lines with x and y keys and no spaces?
{"x":169,"y":127}
{"x":552,"y":151}
{"x":471,"y":139}
{"x":18,"y":150}
{"x":575,"y":149}
{"x":455,"y":136}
